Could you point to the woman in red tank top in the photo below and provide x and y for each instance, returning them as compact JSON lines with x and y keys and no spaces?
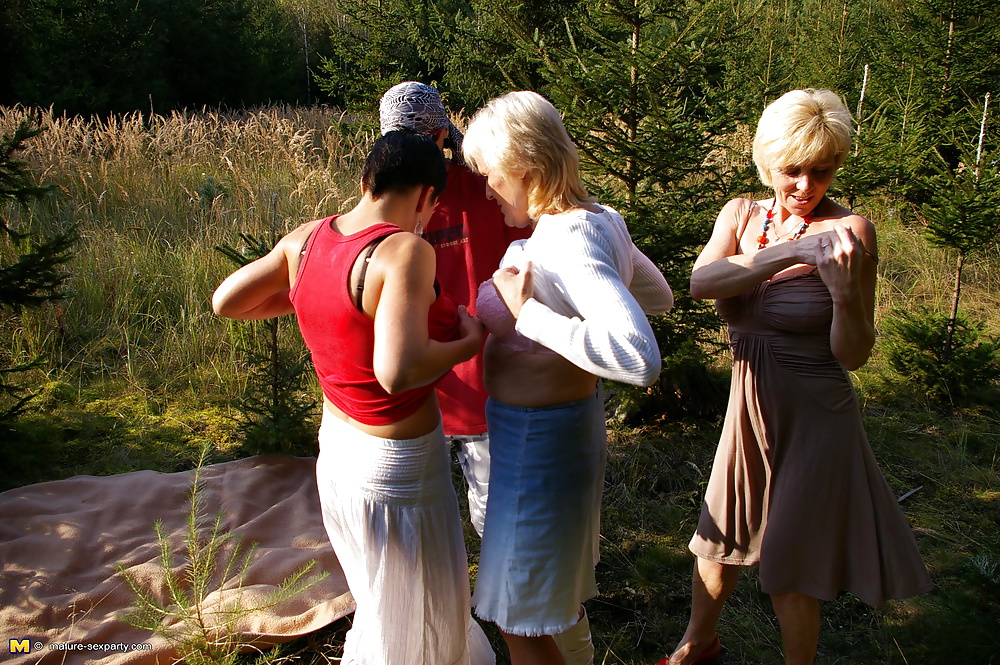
{"x":363,"y":291}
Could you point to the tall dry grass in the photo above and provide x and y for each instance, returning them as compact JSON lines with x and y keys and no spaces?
{"x":913,"y":272}
{"x":152,"y":196}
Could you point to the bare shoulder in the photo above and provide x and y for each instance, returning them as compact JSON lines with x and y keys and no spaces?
{"x":730,"y":226}
{"x":404,"y":244}
{"x":294,"y":241}
{"x":860,"y":225}
{"x":834,"y":212}
{"x":733,"y":220}
{"x":737,"y":209}
{"x":735,"y":215}
{"x":404,"y":254}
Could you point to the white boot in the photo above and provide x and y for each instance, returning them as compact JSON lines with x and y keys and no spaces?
{"x":575,"y":644}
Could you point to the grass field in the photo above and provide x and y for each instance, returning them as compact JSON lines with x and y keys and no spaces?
{"x":138,"y":374}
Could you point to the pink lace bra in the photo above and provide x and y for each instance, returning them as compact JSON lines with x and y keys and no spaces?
{"x":500,"y":323}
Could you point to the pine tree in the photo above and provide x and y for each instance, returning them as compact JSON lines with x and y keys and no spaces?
{"x":197,"y":600}
{"x":377,"y":46}
{"x":480,"y":54}
{"x":466,"y":48}
{"x":275,"y":410}
{"x":943,"y":54}
{"x":944,"y":353}
{"x":641,"y":88}
{"x":885,"y":154}
{"x":963,"y":214}
{"x":38,"y":274}
{"x":100,"y":56}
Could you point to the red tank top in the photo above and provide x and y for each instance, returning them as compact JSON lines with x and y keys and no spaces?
{"x":341,"y":338}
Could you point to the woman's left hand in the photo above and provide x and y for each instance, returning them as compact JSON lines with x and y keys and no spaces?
{"x":514,"y":287}
{"x":839,"y":259}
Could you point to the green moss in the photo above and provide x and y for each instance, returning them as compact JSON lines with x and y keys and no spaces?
{"x":53,"y":393}
{"x":123,"y":430}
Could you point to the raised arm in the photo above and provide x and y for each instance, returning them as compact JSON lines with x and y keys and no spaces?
{"x":649,"y":286}
{"x":402,"y":276}
{"x":259,"y":290}
{"x":721,"y":271}
{"x":847,"y":267}
{"x":843,"y":255}
{"x":611,"y":336}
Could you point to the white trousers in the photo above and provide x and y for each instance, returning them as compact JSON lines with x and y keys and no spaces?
{"x":473,"y":455}
{"x":392,"y":517}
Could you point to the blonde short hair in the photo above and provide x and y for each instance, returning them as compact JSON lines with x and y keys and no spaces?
{"x":522,"y":132}
{"x":802,"y":127}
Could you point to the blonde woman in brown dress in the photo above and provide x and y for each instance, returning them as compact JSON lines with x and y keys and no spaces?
{"x":795,"y":488}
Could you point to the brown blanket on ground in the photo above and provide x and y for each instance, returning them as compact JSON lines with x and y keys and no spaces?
{"x":60,"y":541}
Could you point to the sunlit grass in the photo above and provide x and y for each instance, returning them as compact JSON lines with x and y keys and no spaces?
{"x":152,"y":197}
{"x":138,"y":373}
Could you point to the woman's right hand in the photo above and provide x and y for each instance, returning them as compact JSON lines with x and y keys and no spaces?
{"x":470,"y":331}
{"x":838,"y":257}
{"x":514,"y":287}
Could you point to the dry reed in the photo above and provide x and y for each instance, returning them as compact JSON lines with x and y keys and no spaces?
{"x":152,"y":196}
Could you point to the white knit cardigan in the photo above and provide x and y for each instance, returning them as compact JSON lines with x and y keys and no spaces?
{"x":592,"y":291}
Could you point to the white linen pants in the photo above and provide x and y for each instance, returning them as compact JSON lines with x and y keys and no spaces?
{"x":392,"y":517}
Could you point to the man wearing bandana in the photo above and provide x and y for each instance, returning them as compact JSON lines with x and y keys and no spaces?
{"x":469,"y":238}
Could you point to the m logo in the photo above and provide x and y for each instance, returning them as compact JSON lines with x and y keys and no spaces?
{"x":20,"y":646}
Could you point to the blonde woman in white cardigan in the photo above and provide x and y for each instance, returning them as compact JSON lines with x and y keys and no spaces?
{"x":567,"y":307}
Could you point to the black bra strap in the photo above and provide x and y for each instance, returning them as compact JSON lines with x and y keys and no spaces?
{"x":364,"y":269}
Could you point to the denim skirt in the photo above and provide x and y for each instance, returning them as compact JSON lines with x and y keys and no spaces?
{"x":540,"y":540}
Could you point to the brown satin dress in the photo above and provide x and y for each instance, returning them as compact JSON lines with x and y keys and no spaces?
{"x":795,"y":487}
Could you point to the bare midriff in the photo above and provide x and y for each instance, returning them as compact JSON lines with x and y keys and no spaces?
{"x":424,"y":421}
{"x":522,"y":378}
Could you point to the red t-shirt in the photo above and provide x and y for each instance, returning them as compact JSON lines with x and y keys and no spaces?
{"x":341,"y":338}
{"x":469,"y":237}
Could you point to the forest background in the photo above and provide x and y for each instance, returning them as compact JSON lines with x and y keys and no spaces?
{"x":176,"y":127}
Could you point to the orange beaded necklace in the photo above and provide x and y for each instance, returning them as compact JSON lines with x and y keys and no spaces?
{"x":762,"y":238}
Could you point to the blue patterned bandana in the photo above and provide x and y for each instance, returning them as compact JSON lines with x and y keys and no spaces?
{"x":418,"y":107}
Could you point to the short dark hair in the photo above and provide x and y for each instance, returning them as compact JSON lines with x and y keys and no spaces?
{"x":401,"y":160}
